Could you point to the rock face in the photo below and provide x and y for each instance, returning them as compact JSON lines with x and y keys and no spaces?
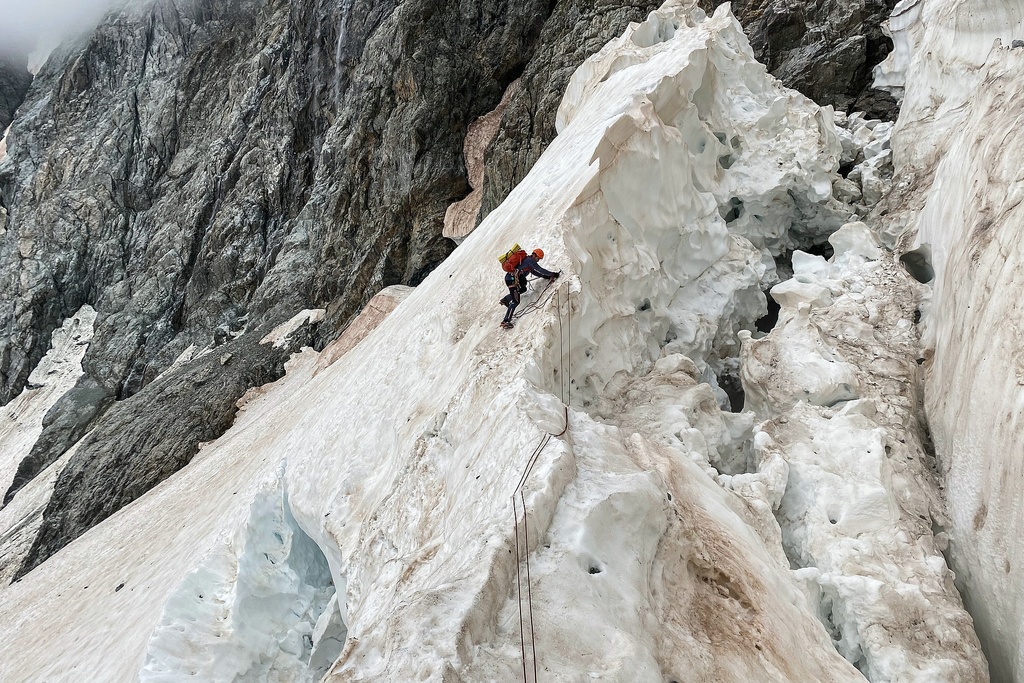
{"x":196,"y":166}
{"x":155,"y":196}
{"x":195,"y":170}
{"x":826,"y":49}
{"x":15,"y":80}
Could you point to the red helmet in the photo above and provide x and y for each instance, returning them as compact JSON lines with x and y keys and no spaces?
{"x":539,"y":253}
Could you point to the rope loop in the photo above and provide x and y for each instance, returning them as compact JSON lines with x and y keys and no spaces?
{"x":531,"y":462}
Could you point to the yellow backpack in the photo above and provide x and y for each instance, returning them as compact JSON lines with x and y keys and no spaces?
{"x":512,"y":258}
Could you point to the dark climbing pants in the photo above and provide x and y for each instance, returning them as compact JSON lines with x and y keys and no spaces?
{"x":515,"y":287}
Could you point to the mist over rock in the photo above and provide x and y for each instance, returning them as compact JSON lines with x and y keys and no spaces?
{"x":15,"y":80}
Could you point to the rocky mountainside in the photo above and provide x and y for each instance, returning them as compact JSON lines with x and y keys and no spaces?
{"x":825,"y":49}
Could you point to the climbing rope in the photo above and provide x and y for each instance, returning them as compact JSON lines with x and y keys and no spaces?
{"x":519,"y":497}
{"x":537,"y":303}
{"x":519,"y":562}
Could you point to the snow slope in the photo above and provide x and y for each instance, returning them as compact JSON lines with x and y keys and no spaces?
{"x":362,"y":510}
{"x":21,"y":422}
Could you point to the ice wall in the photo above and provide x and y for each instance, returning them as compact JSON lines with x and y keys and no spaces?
{"x":958,"y":148}
{"x":662,"y":530}
{"x":260,"y":607}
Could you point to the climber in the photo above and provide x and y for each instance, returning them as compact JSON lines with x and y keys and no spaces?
{"x":521,"y":265}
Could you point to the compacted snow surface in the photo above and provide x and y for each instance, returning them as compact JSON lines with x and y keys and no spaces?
{"x":357,"y":520}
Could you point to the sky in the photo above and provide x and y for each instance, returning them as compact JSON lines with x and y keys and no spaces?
{"x":37,"y":26}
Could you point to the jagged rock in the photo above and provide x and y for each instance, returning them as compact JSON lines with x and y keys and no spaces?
{"x":826,"y":49}
{"x":134,"y":447}
{"x":195,"y":165}
{"x":15,"y":80}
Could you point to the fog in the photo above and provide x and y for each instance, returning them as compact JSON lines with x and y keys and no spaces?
{"x":37,"y":26}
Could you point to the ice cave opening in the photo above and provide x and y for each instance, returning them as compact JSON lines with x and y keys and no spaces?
{"x":918,"y":264}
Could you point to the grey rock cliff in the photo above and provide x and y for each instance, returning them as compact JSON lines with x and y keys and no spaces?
{"x":823,"y":48}
{"x":200,"y":165}
{"x":14,"y":84}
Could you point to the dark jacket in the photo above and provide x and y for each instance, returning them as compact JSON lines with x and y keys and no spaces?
{"x":530,"y":265}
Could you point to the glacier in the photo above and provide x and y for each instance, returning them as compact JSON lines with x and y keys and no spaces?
{"x":700,"y":498}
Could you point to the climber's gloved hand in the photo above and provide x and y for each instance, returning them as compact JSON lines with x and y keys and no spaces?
{"x":555,"y":277}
